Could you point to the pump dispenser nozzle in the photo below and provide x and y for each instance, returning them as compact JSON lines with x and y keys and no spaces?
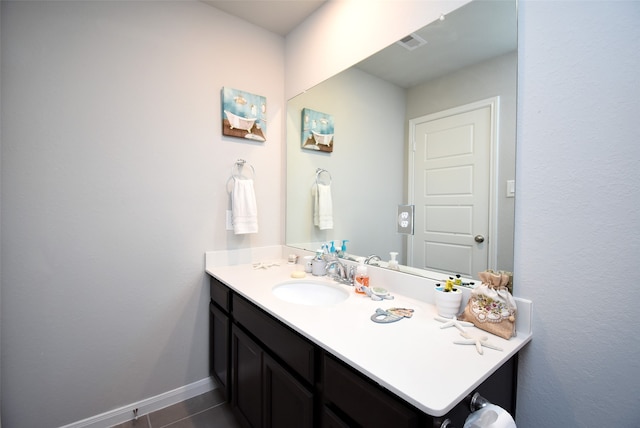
{"x":343,"y":250}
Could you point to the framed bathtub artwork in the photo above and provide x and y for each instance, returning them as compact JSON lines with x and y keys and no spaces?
{"x":244,"y":115}
{"x":317,"y":130}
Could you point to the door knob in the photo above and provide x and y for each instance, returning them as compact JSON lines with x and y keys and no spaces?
{"x":478,"y":238}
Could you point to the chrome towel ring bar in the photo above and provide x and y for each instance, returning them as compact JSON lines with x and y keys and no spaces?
{"x":321,"y":171}
{"x":237,"y":169}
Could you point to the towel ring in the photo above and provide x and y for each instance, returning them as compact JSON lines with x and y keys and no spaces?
{"x":239,"y":166}
{"x":319,"y":172}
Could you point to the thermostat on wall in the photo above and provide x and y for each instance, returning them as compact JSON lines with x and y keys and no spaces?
{"x":405,"y":219}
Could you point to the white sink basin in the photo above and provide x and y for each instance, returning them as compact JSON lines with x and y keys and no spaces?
{"x":310,"y":293}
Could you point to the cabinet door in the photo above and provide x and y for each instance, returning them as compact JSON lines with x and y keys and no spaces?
{"x":219,"y":352}
{"x":288,"y":346}
{"x":287,"y":403}
{"x":365,"y":403}
{"x":331,"y":420}
{"x":246,"y":391}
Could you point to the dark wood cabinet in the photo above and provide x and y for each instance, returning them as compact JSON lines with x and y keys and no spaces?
{"x":331,"y":420}
{"x":296,"y":352}
{"x":266,"y":369}
{"x":220,"y":353}
{"x":246,"y":378}
{"x":362,"y":401}
{"x":274,"y":377}
{"x":287,"y":402}
{"x":265,"y":394}
{"x":220,"y":335}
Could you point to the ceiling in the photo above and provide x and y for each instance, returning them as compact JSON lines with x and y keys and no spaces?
{"x":478,"y":31}
{"x":468,"y":35}
{"x":277,"y":16}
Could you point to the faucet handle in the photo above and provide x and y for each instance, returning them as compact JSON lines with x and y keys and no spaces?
{"x":370,"y":259}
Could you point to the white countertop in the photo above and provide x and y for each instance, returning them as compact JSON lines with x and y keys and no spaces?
{"x":414,"y":358}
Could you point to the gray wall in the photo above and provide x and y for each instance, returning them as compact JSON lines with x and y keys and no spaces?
{"x":577,"y":212}
{"x":113,"y":187}
{"x":366,"y":164}
{"x":104,"y":298}
{"x":0,"y":217}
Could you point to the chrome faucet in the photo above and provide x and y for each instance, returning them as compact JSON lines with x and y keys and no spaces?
{"x":372,"y":258}
{"x":342,"y":274}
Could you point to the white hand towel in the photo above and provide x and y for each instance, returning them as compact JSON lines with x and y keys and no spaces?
{"x":244,"y":208}
{"x":322,"y":206}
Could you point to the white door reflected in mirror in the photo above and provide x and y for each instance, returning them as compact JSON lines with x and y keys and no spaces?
{"x":451,"y":176}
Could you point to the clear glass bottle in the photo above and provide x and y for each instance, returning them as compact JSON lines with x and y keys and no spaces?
{"x":362,"y":277}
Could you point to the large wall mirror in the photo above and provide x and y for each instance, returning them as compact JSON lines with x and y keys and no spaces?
{"x":430,"y":122}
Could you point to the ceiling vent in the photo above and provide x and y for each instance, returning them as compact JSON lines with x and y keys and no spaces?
{"x":412,"y":41}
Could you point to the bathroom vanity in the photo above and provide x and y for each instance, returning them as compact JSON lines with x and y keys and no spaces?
{"x":290,"y":364}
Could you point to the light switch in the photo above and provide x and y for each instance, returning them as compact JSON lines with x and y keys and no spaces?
{"x":511,"y":188}
{"x":405,"y":219}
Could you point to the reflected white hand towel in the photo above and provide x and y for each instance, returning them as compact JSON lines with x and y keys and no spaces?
{"x":244,"y":208}
{"x":322,"y":207}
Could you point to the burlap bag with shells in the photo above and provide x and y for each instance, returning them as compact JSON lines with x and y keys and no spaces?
{"x":491,"y":306}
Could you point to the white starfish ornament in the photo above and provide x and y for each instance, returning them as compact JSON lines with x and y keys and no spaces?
{"x":263,"y":265}
{"x":453,"y":322}
{"x":478,"y":341}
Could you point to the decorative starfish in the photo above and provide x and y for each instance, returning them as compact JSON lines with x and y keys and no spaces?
{"x":453,"y":322}
{"x":262,"y":265}
{"x":478,"y":341}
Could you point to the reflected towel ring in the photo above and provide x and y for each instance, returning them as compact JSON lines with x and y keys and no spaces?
{"x":239,"y":166}
{"x":319,"y":171}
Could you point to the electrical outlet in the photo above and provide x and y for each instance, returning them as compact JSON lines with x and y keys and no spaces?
{"x":405,"y":219}
{"x":229,"y":220}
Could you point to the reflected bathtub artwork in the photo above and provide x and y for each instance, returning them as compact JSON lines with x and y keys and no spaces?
{"x":244,"y":115}
{"x":317,"y":130}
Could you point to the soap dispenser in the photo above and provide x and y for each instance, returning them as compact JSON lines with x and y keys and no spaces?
{"x":362,"y":276}
{"x":318,"y":264}
{"x":343,"y":249}
{"x":393,"y":263}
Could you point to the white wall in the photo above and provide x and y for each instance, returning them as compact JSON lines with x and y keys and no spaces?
{"x":113,"y":187}
{"x":577,"y":240}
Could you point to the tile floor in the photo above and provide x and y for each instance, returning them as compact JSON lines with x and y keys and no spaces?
{"x":203,"y":411}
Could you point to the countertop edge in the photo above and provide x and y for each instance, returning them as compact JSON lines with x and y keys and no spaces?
{"x":524,"y":336}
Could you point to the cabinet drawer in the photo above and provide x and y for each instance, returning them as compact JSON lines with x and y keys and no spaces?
{"x":220,"y":294}
{"x":290,"y":347}
{"x":365,"y":402}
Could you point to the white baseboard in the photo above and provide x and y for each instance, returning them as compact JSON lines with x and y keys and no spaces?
{"x":148,"y":405}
